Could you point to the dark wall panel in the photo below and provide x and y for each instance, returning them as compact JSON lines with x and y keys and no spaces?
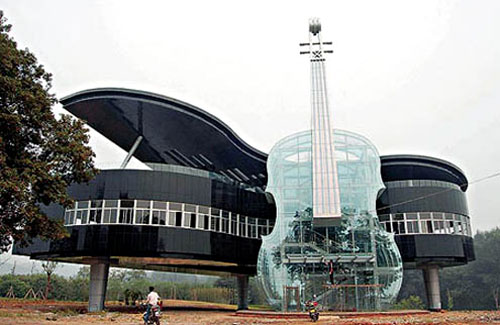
{"x":422,"y":199}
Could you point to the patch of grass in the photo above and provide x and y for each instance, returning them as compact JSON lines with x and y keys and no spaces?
{"x":260,"y":307}
{"x":67,"y":312}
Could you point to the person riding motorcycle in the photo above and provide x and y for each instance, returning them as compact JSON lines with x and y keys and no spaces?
{"x":312,"y":306}
{"x":151,"y":301}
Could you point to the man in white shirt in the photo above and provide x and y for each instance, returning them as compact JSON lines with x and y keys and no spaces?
{"x":151,"y":301}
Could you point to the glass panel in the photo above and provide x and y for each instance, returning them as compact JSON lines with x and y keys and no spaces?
{"x":215,"y":212}
{"x":114,"y":214}
{"x":143,"y":204}
{"x":126,"y":216}
{"x":423,"y":227}
{"x":96,"y":204}
{"x":388,"y":226}
{"x":206,"y":222}
{"x":412,"y":216}
{"x":425,"y":216}
{"x":78,"y":217}
{"x":155,"y":217}
{"x":215,"y":223}
{"x":189,"y":208}
{"x":171,"y":218}
{"x":163,"y":218}
{"x":92,"y":216}
{"x":84,"y":216}
{"x":412,"y":227}
{"x":83,"y":204}
{"x":185,"y":219}
{"x":398,"y":216}
{"x":204,"y":210}
{"x":175,"y":206}
{"x":384,"y":217}
{"x":395,"y":227}
{"x":178,"y":219}
{"x":437,"y":215}
{"x":111,"y":203}
{"x":159,"y":205}
{"x":192,"y":222}
{"x":402,"y":228}
{"x":127,"y":203}
{"x":243,"y":232}
{"x":106,"y":216}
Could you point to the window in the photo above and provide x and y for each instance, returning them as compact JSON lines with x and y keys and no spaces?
{"x":111,"y":203}
{"x":412,"y":227}
{"x":411,"y":216}
{"x":126,"y":216}
{"x":437,"y":215}
{"x":96,"y":204}
{"x":142,"y":217}
{"x":192,"y":221}
{"x":423,"y":227}
{"x":144,"y":212}
{"x":215,"y":223}
{"x":175,"y":206}
{"x":425,"y":216}
{"x":95,"y":216}
{"x":203,"y":221}
{"x":225,"y":222}
{"x":178,"y":219}
{"x":127,"y":203}
{"x":252,"y":228}
{"x":387,"y":226}
{"x":143,"y":204}
{"x":234,"y":223}
{"x":106,"y":216}
{"x":384,"y":217}
{"x":83,"y":205}
{"x":398,"y":216}
{"x":171,"y":218}
{"x":159,"y":205}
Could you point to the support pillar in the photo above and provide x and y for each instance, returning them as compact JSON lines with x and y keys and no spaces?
{"x":242,"y":291}
{"x":98,"y":283}
{"x":431,"y":279}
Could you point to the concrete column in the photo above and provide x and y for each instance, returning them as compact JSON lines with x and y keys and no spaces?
{"x":98,"y":283}
{"x":242,"y":292}
{"x":431,"y":279}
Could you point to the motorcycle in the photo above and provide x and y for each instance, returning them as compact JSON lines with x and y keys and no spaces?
{"x":154,"y":315}
{"x":312,"y":309}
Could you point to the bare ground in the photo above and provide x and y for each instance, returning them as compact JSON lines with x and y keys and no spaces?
{"x":17,"y":311}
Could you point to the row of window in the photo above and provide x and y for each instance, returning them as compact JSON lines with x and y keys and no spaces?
{"x":420,"y":183}
{"x":160,"y":213}
{"x":426,"y":223}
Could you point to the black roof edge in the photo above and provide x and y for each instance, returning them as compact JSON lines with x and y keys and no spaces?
{"x":144,"y":95}
{"x":428,"y":160}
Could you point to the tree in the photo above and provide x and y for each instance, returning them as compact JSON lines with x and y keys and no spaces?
{"x":49,"y":267}
{"x":40,"y":155}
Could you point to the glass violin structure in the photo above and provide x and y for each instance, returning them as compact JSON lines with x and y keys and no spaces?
{"x":327,"y":240}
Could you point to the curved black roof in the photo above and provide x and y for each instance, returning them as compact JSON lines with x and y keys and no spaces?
{"x":177,"y":133}
{"x":174,"y":132}
{"x":405,"y":167}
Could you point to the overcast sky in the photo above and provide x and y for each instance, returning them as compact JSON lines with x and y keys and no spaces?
{"x":419,"y":77}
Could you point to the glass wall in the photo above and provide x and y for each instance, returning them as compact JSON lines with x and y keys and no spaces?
{"x":300,"y":252}
{"x":170,"y":214}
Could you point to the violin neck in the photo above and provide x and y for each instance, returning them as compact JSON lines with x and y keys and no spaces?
{"x":326,"y":194}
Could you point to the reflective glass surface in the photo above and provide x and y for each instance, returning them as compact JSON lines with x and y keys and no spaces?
{"x":366,"y":265}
